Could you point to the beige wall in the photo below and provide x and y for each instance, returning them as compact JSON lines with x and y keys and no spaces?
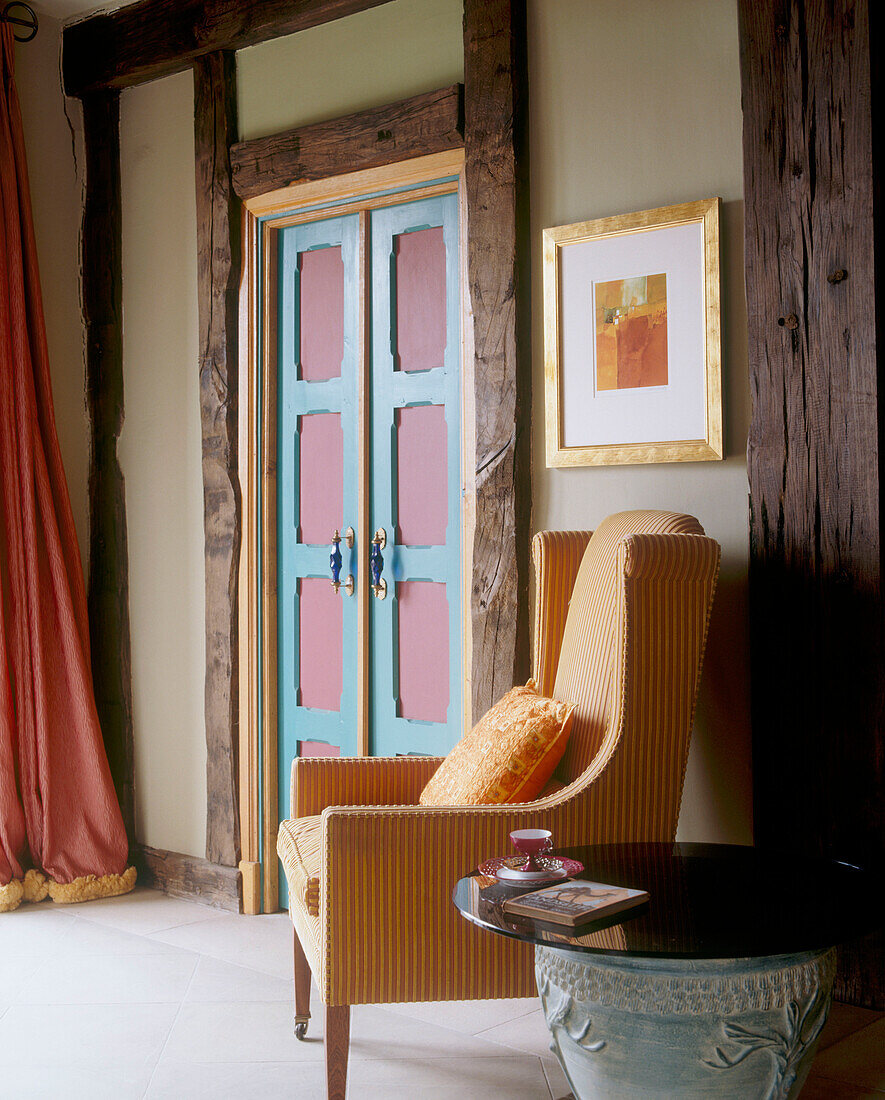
{"x":160,"y":455}
{"x":632,"y":106}
{"x":375,"y":57}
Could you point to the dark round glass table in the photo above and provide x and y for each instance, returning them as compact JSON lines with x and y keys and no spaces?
{"x":718,"y":986}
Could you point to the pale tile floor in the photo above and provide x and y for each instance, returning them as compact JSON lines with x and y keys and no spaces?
{"x":148,"y":996}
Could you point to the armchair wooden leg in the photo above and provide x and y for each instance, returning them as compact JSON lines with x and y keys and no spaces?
{"x":337,"y":1046}
{"x":302,"y":988}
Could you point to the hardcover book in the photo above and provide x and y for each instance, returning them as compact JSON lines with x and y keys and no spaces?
{"x":575,"y":903}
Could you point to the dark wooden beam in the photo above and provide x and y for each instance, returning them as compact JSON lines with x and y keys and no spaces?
{"x":429,"y":123}
{"x":108,"y":589}
{"x":812,"y":193}
{"x":496,"y":175}
{"x":218,"y":271}
{"x":156,"y":38}
{"x":189,"y":877}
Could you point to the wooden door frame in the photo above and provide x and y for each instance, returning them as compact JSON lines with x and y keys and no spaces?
{"x":259,"y":741}
{"x":156,"y":38}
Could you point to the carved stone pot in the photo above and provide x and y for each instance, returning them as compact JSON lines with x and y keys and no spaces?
{"x":632,"y":1028}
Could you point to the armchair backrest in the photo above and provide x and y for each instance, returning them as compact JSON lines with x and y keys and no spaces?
{"x":626,"y":638}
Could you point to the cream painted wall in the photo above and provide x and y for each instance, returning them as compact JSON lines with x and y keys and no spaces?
{"x":160,"y":455}
{"x":55,"y":158}
{"x":632,"y":106}
{"x":160,"y":442}
{"x":366,"y":60}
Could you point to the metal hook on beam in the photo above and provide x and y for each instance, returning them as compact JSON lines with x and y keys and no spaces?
{"x":30,"y":23}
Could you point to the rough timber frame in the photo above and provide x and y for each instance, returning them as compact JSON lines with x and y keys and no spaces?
{"x":812,"y":89}
{"x":156,"y":38}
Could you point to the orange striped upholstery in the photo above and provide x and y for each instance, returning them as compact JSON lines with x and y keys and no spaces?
{"x":318,"y":782}
{"x":557,"y":557}
{"x":387,"y":930}
{"x":585,"y":673}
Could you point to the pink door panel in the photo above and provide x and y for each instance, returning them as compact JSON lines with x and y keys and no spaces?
{"x":317,"y":748}
{"x":321,"y":454}
{"x":422,"y":475}
{"x":420,"y":299}
{"x":321,"y":324}
{"x":423,"y":657}
{"x":320,"y":641}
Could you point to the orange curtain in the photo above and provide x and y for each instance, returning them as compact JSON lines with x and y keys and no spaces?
{"x":61,"y":832}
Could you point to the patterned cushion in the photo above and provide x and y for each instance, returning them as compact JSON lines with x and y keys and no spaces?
{"x":508,"y":756}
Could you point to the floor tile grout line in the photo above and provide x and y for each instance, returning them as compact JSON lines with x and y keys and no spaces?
{"x":448,"y":1027}
{"x":477,"y":1035}
{"x":545,"y":1077}
{"x":171,"y":1028}
{"x":226,"y":959}
{"x":153,"y":931}
{"x":512,"y":1020}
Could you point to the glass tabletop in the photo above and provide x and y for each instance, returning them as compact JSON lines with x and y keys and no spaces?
{"x":707,"y":901}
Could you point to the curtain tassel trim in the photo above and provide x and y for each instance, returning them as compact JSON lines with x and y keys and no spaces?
{"x":36,"y":887}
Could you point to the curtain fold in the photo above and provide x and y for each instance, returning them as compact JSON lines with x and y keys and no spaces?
{"x":61,"y":831}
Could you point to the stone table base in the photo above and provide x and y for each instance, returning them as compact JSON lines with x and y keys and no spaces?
{"x":680,"y":1028}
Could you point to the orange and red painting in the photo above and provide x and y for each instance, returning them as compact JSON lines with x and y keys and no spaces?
{"x":631,"y":332}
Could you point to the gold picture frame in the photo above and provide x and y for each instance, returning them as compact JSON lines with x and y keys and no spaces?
{"x":632,"y":345}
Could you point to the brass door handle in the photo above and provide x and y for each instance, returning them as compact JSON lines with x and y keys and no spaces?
{"x":376,"y":564}
{"x":335,"y":562}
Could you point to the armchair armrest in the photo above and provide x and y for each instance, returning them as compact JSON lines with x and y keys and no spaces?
{"x":387,"y":878}
{"x":318,"y":782}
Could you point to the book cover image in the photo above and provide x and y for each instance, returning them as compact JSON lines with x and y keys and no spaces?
{"x":575,"y":903}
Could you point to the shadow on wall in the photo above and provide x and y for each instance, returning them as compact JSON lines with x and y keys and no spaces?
{"x":719,"y":776}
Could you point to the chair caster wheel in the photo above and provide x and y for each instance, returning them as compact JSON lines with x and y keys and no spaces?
{"x":300,"y":1031}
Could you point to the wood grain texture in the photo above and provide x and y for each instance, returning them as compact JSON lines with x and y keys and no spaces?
{"x":156,"y":38}
{"x":497,"y":276}
{"x":250,"y":877}
{"x":108,"y":586}
{"x":337,"y":1043}
{"x":812,"y":200}
{"x":270,"y":767}
{"x":250,"y":610}
{"x":218,"y":268}
{"x":423,"y":124}
{"x":189,"y":877}
{"x":302,"y":979}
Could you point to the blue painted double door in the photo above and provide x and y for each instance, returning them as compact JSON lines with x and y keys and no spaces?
{"x":369,"y":452}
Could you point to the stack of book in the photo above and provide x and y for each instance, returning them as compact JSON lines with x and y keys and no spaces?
{"x":575,"y":903}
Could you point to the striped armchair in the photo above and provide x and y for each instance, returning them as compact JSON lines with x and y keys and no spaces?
{"x":620,"y":626}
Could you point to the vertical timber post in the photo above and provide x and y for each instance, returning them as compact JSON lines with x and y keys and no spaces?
{"x":218,"y":270}
{"x":812,"y":189}
{"x":108,"y":587}
{"x":496,"y":178}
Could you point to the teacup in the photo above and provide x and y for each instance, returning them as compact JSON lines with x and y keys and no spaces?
{"x":531,"y":842}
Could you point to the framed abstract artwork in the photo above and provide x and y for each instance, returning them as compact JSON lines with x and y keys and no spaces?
{"x":631,"y":338}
